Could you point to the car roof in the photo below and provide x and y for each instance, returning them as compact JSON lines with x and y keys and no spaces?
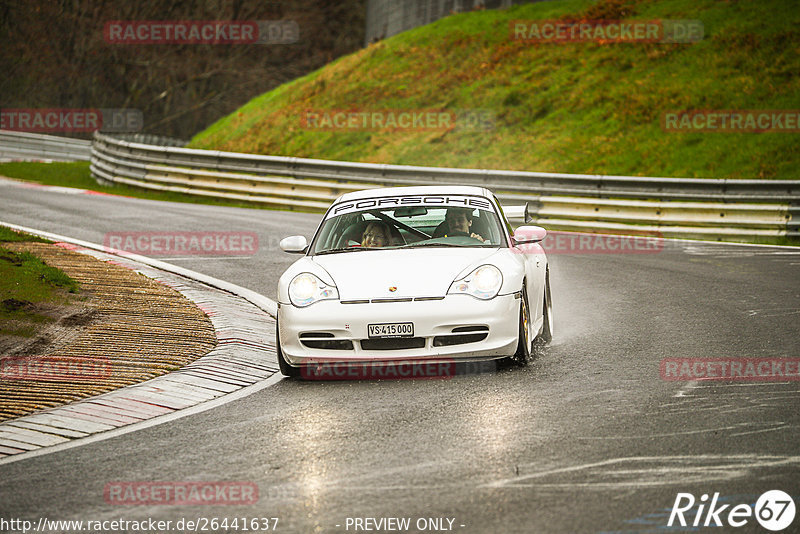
{"x":416,"y":190}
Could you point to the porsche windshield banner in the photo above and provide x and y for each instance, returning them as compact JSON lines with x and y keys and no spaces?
{"x":426,"y":201}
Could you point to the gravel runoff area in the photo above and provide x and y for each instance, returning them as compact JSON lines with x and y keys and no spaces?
{"x":131,"y":329}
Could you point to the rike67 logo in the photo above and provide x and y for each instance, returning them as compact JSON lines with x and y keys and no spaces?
{"x":774,"y":510}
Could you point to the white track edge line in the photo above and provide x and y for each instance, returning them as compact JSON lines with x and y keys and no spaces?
{"x":133,"y":427}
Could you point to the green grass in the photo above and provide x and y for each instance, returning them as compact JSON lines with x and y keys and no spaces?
{"x":26,"y":283}
{"x":78,"y":175}
{"x":574,"y":107}
{"x":28,"y":277}
{"x":73,"y":174}
{"x":8,"y":235}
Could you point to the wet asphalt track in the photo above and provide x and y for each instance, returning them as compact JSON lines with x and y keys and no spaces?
{"x":588,"y":438}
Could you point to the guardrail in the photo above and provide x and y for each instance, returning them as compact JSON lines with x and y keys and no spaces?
{"x":151,"y":139}
{"x":31,"y":146}
{"x":740,"y":210}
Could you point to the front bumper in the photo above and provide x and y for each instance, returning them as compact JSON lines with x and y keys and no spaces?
{"x":336,"y":332}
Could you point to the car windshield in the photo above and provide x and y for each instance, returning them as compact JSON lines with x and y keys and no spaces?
{"x":404,"y":222}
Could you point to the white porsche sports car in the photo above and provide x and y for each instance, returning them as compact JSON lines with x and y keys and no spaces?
{"x":413,"y":274}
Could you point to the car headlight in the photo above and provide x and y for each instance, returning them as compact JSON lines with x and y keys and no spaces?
{"x":482,"y":283}
{"x":305,"y":289}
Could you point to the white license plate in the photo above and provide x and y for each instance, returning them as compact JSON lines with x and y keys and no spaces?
{"x":391,"y":330}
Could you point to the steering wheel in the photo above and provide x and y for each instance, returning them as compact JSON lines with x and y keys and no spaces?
{"x":458,"y":233}
{"x":345,"y":242}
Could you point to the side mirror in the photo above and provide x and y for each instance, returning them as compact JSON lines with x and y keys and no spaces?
{"x":296,"y":244}
{"x":519,"y":212}
{"x":528,"y":234}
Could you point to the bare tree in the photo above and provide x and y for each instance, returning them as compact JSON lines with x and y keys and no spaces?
{"x":54,"y":55}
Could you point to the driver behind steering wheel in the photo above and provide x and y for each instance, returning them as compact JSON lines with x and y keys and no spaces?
{"x":459,"y":223}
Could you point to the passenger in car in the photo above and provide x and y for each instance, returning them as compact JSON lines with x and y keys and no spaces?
{"x":376,"y":234}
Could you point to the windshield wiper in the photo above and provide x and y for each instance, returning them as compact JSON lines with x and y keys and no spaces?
{"x":343,"y":249}
{"x":419,"y":245}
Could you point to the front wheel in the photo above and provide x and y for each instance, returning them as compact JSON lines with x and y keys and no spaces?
{"x":523,"y":353}
{"x":546,"y":334}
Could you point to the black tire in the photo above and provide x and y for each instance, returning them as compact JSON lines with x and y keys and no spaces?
{"x":523,"y":354}
{"x":546,"y":334}
{"x":283,"y":365}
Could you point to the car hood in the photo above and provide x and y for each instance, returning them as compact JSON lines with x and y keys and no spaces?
{"x":423,"y":272}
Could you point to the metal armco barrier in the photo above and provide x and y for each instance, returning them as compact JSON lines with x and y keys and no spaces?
{"x":151,"y":139}
{"x":32,"y":146}
{"x":737,"y":210}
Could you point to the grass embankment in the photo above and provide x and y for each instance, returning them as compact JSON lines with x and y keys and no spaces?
{"x":27,"y":285}
{"x":581,"y":107}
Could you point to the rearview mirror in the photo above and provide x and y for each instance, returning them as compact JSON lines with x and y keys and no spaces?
{"x":410,"y":211}
{"x":528,"y":234}
{"x":296,"y":244}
